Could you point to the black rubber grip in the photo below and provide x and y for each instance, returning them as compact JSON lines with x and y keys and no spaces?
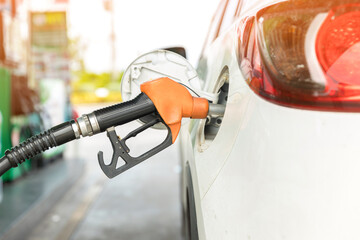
{"x":124,"y":112}
{"x":63,"y":133}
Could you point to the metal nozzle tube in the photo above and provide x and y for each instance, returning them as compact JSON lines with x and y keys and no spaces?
{"x":216,"y":110}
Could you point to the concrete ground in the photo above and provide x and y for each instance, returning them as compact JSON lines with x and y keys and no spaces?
{"x":142,"y":203}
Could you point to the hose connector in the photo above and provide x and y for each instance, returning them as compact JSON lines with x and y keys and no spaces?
{"x":87,"y":125}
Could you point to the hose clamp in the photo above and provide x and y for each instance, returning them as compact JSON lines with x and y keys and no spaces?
{"x":76,"y":129}
{"x":85,"y":126}
{"x":94,"y":123}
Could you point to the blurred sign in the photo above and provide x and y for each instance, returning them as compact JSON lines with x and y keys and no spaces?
{"x":50,"y":64}
{"x":49,"y":42}
{"x":48,"y":30}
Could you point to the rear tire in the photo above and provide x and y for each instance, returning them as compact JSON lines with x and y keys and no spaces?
{"x":189,"y":220}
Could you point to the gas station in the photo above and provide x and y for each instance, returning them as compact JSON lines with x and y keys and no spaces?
{"x":57,"y":193}
{"x":110,"y":129}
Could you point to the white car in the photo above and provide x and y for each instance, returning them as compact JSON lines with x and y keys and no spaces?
{"x":284,"y":160}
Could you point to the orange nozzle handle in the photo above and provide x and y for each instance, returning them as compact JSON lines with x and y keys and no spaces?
{"x":173,"y":102}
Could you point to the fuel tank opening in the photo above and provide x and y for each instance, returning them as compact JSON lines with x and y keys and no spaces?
{"x":214,"y":121}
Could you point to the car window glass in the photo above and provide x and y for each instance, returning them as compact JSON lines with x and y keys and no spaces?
{"x":229,"y":15}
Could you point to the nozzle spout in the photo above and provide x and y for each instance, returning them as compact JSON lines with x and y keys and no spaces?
{"x":217,"y":110}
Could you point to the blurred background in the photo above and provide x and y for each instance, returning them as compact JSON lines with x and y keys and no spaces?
{"x":58,"y":60}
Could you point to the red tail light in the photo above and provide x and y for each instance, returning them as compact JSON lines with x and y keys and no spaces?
{"x":304,"y":54}
{"x":338,"y":45}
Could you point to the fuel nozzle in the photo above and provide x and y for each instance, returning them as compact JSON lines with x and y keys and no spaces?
{"x":86,"y":125}
{"x":168,"y":100}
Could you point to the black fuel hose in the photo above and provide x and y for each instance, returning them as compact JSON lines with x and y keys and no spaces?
{"x":86,"y":125}
{"x":56,"y":136}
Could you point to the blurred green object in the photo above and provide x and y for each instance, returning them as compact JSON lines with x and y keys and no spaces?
{"x":13,"y":128}
{"x":1,"y":184}
{"x":5,"y":98}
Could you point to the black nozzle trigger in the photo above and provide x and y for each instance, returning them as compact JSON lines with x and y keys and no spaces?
{"x":121,"y":150}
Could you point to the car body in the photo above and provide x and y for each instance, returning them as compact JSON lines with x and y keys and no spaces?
{"x":275,"y":166}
